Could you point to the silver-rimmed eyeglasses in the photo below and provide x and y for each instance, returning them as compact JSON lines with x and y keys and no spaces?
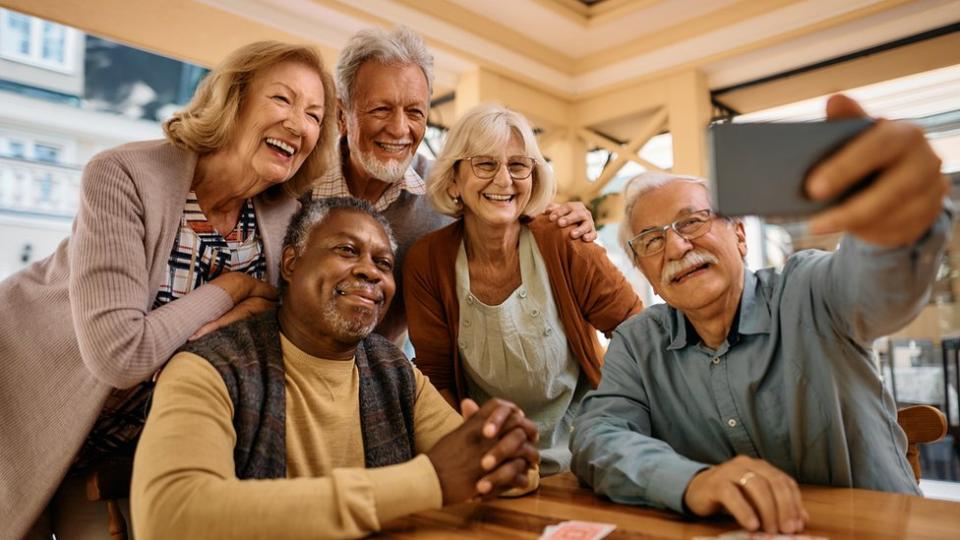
{"x":653,"y":240}
{"x":486,"y":167}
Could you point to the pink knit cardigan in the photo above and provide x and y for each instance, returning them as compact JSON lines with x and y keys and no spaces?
{"x":79,"y":321}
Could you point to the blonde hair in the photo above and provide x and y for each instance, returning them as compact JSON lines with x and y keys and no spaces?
{"x":209,"y":121}
{"x":482,"y":130}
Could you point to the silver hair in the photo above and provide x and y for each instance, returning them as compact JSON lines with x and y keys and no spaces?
{"x":398,"y":46}
{"x":639,"y":186}
{"x":312,"y":214}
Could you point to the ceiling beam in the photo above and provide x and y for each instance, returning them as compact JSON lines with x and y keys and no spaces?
{"x":906,"y":60}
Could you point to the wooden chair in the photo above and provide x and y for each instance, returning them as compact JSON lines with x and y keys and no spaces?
{"x":110,"y":482}
{"x":922,"y":424}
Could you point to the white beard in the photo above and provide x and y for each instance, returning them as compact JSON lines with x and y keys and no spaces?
{"x":390,"y":172}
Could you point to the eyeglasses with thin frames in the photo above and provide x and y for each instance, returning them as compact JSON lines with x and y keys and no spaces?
{"x":654,"y":240}
{"x":487,"y":167}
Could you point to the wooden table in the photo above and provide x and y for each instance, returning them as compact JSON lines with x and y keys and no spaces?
{"x":834,"y":513}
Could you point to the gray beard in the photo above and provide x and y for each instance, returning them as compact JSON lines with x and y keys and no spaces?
{"x":390,"y":172}
{"x":346,"y":328}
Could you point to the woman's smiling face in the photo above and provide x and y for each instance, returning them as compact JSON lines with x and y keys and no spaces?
{"x":279,"y":122}
{"x":502,"y":199}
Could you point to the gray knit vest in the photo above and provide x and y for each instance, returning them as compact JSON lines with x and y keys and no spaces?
{"x":247,"y":355}
{"x":411,"y":217}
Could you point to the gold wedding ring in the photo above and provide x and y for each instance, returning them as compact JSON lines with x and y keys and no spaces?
{"x":747,"y":476}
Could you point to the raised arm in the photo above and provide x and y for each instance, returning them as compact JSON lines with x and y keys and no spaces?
{"x":121,"y":340}
{"x":613,"y":450}
{"x":896,"y":227}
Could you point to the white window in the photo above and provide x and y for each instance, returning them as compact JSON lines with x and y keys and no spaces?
{"x":36,"y":41}
{"x":15,"y":149}
{"x":28,"y":148}
{"x":47,"y":153}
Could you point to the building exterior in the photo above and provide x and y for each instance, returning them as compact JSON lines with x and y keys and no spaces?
{"x":64,"y":96}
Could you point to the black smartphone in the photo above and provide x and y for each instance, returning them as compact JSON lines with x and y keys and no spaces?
{"x":759,"y":169}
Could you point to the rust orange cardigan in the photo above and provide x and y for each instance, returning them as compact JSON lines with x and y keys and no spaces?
{"x":589,"y":291}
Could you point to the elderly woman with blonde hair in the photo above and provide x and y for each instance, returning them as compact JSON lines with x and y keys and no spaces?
{"x":501,"y":304}
{"x":173,"y":238}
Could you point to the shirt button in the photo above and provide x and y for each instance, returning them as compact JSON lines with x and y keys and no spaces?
{"x":470,"y":299}
{"x":466,"y":323}
{"x":523,"y":293}
{"x":462,"y":344}
{"x":732,"y":423}
{"x":548,"y":331}
{"x":716,"y":360}
{"x":535,"y":313}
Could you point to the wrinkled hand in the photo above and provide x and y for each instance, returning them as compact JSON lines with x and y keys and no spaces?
{"x":907,"y":195}
{"x":241,"y":286}
{"x":247,"y":308}
{"x":753,"y":491}
{"x":576,"y":215}
{"x":491,"y":452}
{"x":249,"y":295}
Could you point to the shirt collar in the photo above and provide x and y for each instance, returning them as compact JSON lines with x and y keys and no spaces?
{"x":752,"y":317}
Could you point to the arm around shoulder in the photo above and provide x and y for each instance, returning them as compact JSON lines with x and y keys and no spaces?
{"x":604,"y":295}
{"x":121,"y":341}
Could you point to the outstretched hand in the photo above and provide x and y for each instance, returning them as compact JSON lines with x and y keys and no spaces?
{"x":902,"y":203}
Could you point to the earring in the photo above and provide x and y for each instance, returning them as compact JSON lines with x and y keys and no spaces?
{"x":456,"y":200}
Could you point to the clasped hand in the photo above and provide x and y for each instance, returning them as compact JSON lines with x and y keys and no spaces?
{"x":492,"y":452}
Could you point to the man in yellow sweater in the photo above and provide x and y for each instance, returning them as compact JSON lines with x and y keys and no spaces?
{"x":301,"y":423}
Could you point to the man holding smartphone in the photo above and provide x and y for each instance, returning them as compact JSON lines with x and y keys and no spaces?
{"x":746,"y":383}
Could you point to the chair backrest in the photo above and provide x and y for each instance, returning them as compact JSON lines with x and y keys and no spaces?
{"x":922,"y":424}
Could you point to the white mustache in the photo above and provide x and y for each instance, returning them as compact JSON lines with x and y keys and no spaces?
{"x":692,"y":259}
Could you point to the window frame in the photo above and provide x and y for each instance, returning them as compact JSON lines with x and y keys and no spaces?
{"x":34,"y":56}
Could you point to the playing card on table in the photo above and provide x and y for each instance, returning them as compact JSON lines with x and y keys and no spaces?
{"x":747,"y":535}
{"x":577,"y":530}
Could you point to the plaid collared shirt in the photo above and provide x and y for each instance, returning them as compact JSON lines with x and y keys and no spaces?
{"x":334,"y":183}
{"x":199,"y":255}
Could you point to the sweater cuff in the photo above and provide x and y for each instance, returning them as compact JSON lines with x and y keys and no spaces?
{"x":406,"y":488}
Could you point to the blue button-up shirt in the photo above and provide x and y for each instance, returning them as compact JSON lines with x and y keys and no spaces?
{"x":793,"y":384}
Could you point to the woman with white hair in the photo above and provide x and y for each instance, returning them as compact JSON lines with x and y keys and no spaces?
{"x":500,"y":304}
{"x":173,"y":238}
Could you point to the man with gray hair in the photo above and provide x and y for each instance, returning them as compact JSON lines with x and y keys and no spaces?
{"x":746,"y":383}
{"x":300,"y":423}
{"x":384,"y":83}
